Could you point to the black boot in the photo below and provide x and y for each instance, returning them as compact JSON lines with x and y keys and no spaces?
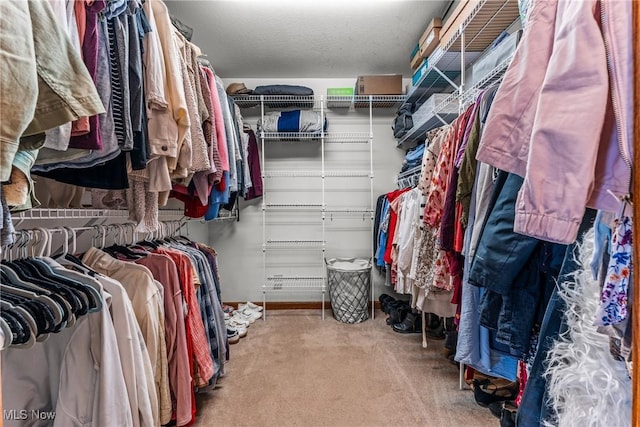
{"x":435,"y":330}
{"x":412,"y":324}
{"x":451,"y":334}
{"x":397,"y":312}
{"x":385,"y":301}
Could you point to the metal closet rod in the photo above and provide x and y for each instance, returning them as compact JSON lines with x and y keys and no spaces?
{"x":38,"y":241}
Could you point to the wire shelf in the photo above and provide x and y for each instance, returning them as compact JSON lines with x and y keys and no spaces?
{"x":44,"y":213}
{"x":348,"y":174}
{"x":317,"y":174}
{"x":410,"y":172}
{"x":417,"y":134}
{"x":293,"y":205}
{"x":285,"y":244}
{"x":291,"y":173}
{"x":485,"y":22}
{"x":88,"y":213}
{"x":292,"y":136}
{"x":364,"y":101}
{"x":276,"y":283}
{"x":345,"y":137}
{"x":481,"y":27}
{"x":275,"y":101}
{"x":494,"y":76}
{"x":409,"y":178}
{"x":349,"y":210}
{"x":224,"y":216}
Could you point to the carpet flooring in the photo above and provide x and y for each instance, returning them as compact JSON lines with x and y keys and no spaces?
{"x":297,"y":370}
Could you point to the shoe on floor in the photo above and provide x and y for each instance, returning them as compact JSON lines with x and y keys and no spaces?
{"x":486,"y":392}
{"x":385,"y":302}
{"x":233,"y":336}
{"x":227,"y":308}
{"x":248,"y":314}
{"x":398,"y":311}
{"x":241,"y":328}
{"x":508,"y":416}
{"x":498,"y":408}
{"x":435,"y":328}
{"x":241,"y":318}
{"x":412,"y":324}
{"x":250,"y":306}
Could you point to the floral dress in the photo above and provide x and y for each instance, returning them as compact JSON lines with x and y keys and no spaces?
{"x":614,"y":297}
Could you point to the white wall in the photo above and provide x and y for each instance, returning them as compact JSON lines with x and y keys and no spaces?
{"x":239,"y":244}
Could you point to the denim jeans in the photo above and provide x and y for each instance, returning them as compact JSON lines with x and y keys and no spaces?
{"x":534,"y":405}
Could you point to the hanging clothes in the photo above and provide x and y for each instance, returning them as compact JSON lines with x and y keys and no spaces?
{"x":90,"y":346}
{"x":147,"y":301}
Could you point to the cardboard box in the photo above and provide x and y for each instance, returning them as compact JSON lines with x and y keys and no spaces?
{"x":340,"y":91}
{"x":453,"y":23}
{"x":416,"y":60}
{"x":382,"y":84}
{"x":422,"y":69}
{"x":430,"y":38}
{"x":452,"y":17}
{"x":493,"y":17}
{"x":415,"y":50}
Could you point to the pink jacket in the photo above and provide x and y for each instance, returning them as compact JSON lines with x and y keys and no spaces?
{"x":562,"y":117}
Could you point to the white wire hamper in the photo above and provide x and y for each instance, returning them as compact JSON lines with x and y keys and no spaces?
{"x":349,"y":281}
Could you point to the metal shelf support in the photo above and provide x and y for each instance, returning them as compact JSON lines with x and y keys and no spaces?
{"x":444,"y":76}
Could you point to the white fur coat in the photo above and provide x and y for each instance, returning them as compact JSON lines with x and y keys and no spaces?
{"x":587,"y":386}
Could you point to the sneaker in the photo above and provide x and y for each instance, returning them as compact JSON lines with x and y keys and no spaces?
{"x":233,"y":336}
{"x":227,"y":308}
{"x":232,"y":324}
{"x":241,"y":318}
{"x":250,"y":314}
{"x":250,"y":306}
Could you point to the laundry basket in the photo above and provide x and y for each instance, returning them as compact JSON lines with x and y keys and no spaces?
{"x":349,"y":281}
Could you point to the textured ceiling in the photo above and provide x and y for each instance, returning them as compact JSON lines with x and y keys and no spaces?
{"x":307,"y":38}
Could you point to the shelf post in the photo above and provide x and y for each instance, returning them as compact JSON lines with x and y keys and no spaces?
{"x":322,"y":254}
{"x":264,"y":214}
{"x":371,"y":206}
{"x":462,"y":68}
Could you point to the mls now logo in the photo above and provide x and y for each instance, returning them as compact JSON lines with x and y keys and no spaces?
{"x":23,"y":414}
{"x":15,"y":414}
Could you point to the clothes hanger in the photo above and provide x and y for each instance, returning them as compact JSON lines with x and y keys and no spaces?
{"x":22,"y":336}
{"x":118,"y":247}
{"x":31,"y":323}
{"x":38,"y":315}
{"x":10,"y":278}
{"x":8,"y":334}
{"x":55,"y":308}
{"x":92,"y":298}
{"x":148,"y":243}
{"x":27,"y":270}
{"x":70,"y":258}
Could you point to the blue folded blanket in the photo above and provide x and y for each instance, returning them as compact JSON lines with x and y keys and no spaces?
{"x":293,"y":121}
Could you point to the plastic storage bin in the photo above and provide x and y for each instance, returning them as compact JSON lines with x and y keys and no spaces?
{"x":425,"y":112}
{"x":349,"y":282}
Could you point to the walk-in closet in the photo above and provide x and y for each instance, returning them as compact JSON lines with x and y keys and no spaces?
{"x":305,"y":213}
